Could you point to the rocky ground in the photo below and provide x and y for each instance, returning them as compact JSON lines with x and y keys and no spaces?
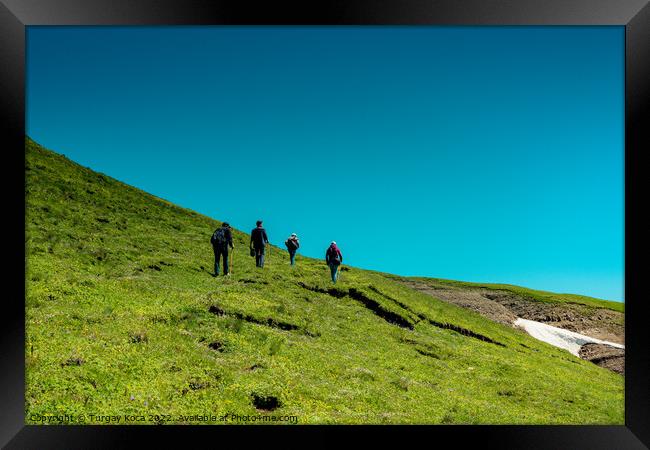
{"x":504,"y":307}
{"x":605,"y":356}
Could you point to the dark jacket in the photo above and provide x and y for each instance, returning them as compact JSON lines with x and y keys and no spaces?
{"x":228,"y":235}
{"x":292,"y":244}
{"x":331,"y":253}
{"x":259,"y":238}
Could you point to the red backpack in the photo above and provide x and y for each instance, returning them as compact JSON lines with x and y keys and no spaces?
{"x":334,"y":255}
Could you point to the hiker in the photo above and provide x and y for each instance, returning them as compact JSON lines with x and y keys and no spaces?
{"x":333,"y":258}
{"x":292,"y":245}
{"x":221,"y":240}
{"x":259,"y":239}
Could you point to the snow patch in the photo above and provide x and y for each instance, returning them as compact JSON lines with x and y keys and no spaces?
{"x":559,"y":337}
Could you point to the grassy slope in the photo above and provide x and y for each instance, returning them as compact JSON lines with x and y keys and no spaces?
{"x":118,"y":321}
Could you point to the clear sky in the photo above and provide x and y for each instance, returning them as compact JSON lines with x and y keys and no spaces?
{"x":490,"y":154}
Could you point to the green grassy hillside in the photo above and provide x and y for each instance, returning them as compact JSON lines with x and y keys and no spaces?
{"x":123,"y":317}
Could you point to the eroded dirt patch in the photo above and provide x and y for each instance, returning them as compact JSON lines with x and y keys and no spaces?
{"x":214,"y":309}
{"x":334,"y":292}
{"x":505,"y":307}
{"x":251,"y":281}
{"x":265,"y":402}
{"x":600,"y":323}
{"x":375,"y":307}
{"x":371,"y":304}
{"x":443,"y":325}
{"x":269,"y":322}
{"x":611,"y":358}
{"x":195,"y":384}
{"x":393,"y":317}
{"x":217,"y":346}
{"x":428,"y":353}
{"x":474,"y":301}
{"x":73,"y":361}
{"x":464,"y":332}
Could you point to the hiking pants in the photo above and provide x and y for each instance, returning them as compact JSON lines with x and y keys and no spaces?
{"x":334,"y":268}
{"x":259,"y":257}
{"x":218,"y":252}
{"x":292,"y":257}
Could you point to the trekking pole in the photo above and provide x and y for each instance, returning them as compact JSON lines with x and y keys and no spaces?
{"x":232,"y":261}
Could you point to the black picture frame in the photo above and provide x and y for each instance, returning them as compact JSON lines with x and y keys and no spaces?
{"x":15,"y":15}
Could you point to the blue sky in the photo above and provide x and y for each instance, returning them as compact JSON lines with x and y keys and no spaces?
{"x":488,"y":154}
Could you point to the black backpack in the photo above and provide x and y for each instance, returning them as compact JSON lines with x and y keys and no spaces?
{"x":291,"y":244}
{"x":219,"y":237}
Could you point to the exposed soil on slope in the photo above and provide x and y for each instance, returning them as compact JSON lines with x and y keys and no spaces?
{"x":504,"y":307}
{"x":605,"y":356}
{"x":474,"y":300}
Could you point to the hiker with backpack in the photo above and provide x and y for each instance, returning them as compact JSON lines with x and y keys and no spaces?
{"x":292,"y":244}
{"x":259,"y":239}
{"x":221,"y":240}
{"x":333,"y":258}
